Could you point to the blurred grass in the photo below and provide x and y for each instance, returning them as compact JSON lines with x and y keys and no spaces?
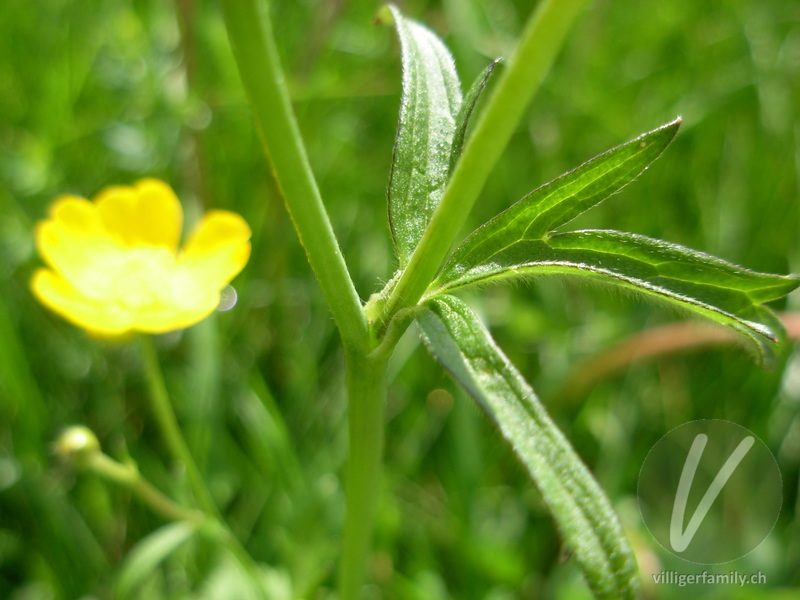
{"x":102,"y":93}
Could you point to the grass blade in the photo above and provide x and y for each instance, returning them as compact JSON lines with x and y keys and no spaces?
{"x":150,"y":553}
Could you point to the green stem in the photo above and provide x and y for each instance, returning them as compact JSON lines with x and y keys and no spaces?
{"x":366,"y":386}
{"x":165,"y":417}
{"x":540,"y":43}
{"x":250,"y":34}
{"x":171,"y":433}
{"x":127,"y":475}
{"x":394,"y":332}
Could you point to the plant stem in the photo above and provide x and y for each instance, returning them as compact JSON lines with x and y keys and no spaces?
{"x":165,"y":417}
{"x":128,"y":475}
{"x":250,"y":34}
{"x":395,"y":331}
{"x":366,"y":387}
{"x":171,"y":432}
{"x":540,"y":43}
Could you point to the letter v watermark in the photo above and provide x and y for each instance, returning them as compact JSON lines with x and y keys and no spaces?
{"x":679,"y":538}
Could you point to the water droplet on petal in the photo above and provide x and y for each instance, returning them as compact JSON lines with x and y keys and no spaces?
{"x":227,"y":298}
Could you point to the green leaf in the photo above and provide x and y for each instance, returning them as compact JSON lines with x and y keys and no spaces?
{"x":701,"y":283}
{"x":428,"y":110}
{"x":467,"y":108}
{"x":151,"y":552}
{"x":457,"y":338}
{"x":558,"y":202}
{"x":518,"y":243}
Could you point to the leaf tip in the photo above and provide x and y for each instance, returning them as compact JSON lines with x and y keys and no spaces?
{"x":661,"y":136}
{"x":794,"y":280}
{"x":674,"y":125}
{"x":385,"y":15}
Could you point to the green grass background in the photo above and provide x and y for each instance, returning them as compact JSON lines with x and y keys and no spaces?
{"x":101,"y":93}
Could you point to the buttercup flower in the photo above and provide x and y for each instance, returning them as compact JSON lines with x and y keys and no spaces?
{"x":115,"y":265}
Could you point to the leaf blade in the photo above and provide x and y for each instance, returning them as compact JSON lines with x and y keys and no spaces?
{"x":467,"y":107}
{"x":429,"y":106}
{"x":457,"y":338}
{"x":560,"y":200}
{"x":150,"y":553}
{"x":712,"y":287}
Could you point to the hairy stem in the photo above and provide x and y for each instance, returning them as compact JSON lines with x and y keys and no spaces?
{"x":250,"y":34}
{"x":540,"y":43}
{"x":366,"y":386}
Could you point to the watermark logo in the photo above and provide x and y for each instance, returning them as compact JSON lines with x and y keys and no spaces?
{"x":710,"y":491}
{"x":706,"y":578}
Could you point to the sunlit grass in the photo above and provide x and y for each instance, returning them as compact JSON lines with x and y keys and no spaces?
{"x":100,"y":94}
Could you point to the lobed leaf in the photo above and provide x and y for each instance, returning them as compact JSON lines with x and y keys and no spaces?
{"x":518,"y":242}
{"x":457,"y":338}
{"x":429,"y":107}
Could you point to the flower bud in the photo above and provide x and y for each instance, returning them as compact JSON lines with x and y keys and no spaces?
{"x":76,"y":444}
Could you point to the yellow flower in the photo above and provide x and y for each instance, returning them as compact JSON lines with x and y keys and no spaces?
{"x":115,"y":265}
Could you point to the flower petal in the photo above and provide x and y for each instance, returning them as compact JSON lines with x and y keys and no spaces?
{"x":57,"y":294}
{"x":72,"y":239}
{"x":177,"y":316}
{"x":147,"y":213}
{"x":114,"y":262}
{"x":77,"y":214}
{"x":218,"y":249}
{"x":162,"y":295}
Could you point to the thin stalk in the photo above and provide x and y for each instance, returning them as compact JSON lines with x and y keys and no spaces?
{"x":168,"y":424}
{"x":127,"y":475}
{"x":250,"y":34}
{"x":366,"y":387}
{"x":165,"y":417}
{"x":542,"y":39}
